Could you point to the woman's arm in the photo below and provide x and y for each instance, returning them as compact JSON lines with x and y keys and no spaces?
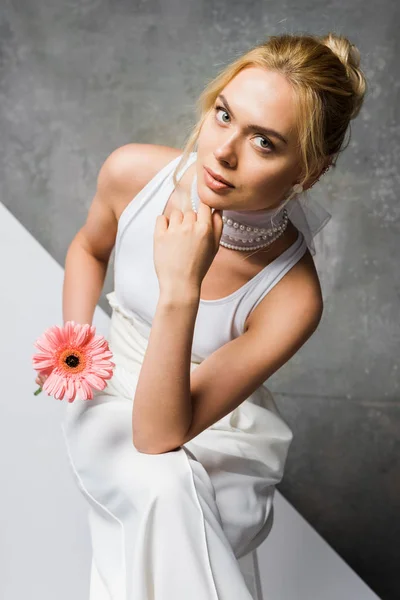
{"x":174,"y":410}
{"x":185,"y":244}
{"x":84,"y":277}
{"x":162,"y":408}
{"x":122,"y":175}
{"x":88,"y":255}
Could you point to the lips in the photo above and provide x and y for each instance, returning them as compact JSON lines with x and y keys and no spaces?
{"x":218,"y":177}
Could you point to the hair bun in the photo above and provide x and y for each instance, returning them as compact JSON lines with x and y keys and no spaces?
{"x":349,"y":56}
{"x":354,"y":56}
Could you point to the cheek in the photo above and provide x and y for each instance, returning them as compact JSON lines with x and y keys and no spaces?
{"x":278,"y":173}
{"x":269,"y":184}
{"x":208,"y":133}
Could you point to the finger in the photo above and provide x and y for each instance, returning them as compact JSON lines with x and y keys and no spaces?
{"x":161,"y":224}
{"x":189,"y":216}
{"x":175,"y":217}
{"x":204,"y":212}
{"x":217,"y":225}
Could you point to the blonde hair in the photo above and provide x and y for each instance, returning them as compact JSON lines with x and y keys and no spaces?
{"x":330,"y":88}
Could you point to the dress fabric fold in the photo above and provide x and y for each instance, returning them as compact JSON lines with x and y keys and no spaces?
{"x":165,"y":526}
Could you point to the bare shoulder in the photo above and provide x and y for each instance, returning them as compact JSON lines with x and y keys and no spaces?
{"x":129,"y":168}
{"x":121,"y":177}
{"x":297,"y":298}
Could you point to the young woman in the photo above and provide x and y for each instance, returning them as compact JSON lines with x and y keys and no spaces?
{"x":215,"y":290}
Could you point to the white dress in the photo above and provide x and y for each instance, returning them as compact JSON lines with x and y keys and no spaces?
{"x":171,"y":526}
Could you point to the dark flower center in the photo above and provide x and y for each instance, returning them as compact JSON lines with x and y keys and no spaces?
{"x":72,"y":361}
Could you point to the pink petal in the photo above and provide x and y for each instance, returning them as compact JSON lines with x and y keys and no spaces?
{"x":43,"y":345}
{"x":97,"y":351}
{"x":51,"y":383}
{"x":59,"y":391}
{"x":54,"y":336}
{"x":71,"y":389}
{"x":81,"y":335}
{"x":103,"y":363}
{"x":40,"y":363}
{"x":101,"y":372}
{"x":69,"y":331}
{"x":84,"y":390}
{"x":93,"y":380}
{"x":98,"y":340}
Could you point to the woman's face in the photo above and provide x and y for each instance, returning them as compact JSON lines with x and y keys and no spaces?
{"x":261,"y":167}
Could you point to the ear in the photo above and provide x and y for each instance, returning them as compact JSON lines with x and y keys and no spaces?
{"x":308,"y":184}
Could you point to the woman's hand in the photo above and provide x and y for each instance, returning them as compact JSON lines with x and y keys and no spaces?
{"x":40,"y":379}
{"x":185,"y":246}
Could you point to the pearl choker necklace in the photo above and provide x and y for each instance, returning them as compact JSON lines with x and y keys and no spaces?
{"x":245,"y":236}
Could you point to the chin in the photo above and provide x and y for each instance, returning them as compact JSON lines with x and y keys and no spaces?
{"x":214,"y":205}
{"x":211,"y":199}
{"x":205,"y":196}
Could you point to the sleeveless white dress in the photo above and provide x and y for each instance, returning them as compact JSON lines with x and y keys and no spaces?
{"x":172,"y":525}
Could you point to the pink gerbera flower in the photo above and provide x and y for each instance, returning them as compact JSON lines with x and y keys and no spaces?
{"x":74,"y":359}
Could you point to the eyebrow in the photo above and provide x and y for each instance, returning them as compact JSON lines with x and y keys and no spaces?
{"x":252,"y":127}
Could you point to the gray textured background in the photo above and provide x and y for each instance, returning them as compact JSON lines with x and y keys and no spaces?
{"x":79,"y":79}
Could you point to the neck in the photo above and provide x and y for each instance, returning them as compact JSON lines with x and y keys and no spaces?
{"x":247,"y":230}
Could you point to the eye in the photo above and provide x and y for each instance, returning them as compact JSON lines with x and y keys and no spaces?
{"x":218,"y":108}
{"x":266,"y":149}
{"x":269,"y":144}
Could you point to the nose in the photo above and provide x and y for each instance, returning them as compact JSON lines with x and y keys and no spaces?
{"x":226,"y":155}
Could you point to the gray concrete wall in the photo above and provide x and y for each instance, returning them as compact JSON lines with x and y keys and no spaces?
{"x":78,"y":79}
